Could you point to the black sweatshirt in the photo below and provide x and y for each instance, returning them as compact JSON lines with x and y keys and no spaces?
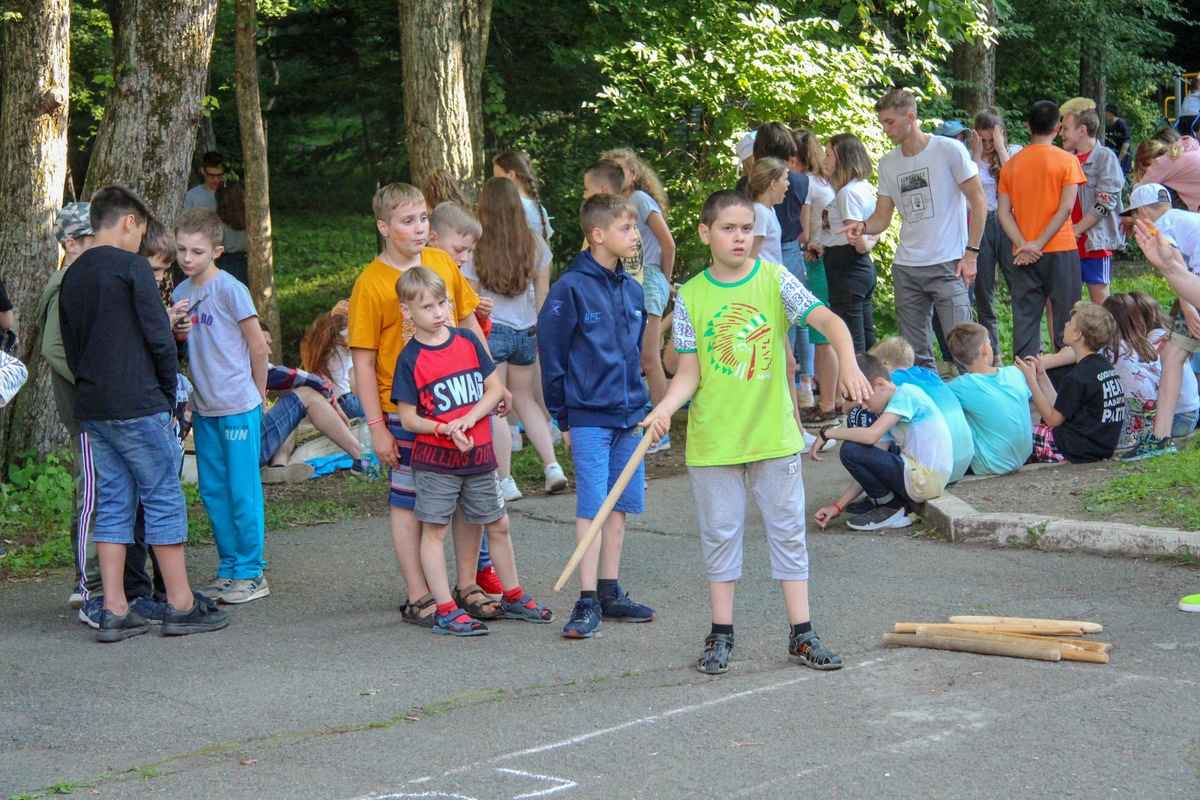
{"x":117,"y":337}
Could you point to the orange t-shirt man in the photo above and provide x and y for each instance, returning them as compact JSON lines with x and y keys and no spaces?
{"x":1034,"y":179}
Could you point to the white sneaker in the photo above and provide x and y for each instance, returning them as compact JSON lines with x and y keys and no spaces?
{"x":805,"y":398}
{"x":556,"y":481}
{"x":508,"y":487}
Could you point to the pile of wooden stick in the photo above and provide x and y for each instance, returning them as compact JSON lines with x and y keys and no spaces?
{"x":1015,"y":637}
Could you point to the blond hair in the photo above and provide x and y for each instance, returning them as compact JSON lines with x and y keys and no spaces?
{"x":1076,"y":106}
{"x":600,"y":210}
{"x":644,"y":177}
{"x":416,"y":281}
{"x":450,"y":216}
{"x":965,"y":340}
{"x":1096,"y":325}
{"x":766,"y":171}
{"x":894,"y":352}
{"x":394,"y":195}
{"x":1151,"y":149}
{"x":201,"y":221}
{"x":900,"y":99}
{"x":853,"y":163}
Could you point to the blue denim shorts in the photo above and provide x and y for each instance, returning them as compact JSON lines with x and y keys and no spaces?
{"x":136,"y":460}
{"x":278,"y":423}
{"x":516,"y":347}
{"x":351,"y":405}
{"x":656,"y":290}
{"x":600,"y":455}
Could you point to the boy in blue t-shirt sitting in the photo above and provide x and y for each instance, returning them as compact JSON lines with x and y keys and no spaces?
{"x":995,"y":401}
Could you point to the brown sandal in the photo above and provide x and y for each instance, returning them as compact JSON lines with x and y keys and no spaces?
{"x":411,"y":612}
{"x":475,"y":602}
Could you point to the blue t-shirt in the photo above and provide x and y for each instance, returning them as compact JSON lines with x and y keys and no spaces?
{"x":924,"y":442}
{"x":997,"y":410}
{"x":947,"y":403}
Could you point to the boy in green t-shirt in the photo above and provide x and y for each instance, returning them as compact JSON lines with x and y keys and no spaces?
{"x":731,"y":325}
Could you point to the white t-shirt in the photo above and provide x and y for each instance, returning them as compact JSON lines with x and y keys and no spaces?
{"x":932,"y":206}
{"x":339,"y":366}
{"x":518,"y":312}
{"x":820,"y":195}
{"x":1189,"y":392}
{"x":991,"y":185}
{"x":1183,"y":228}
{"x":1190,"y":106}
{"x":651,"y":247}
{"x":766,"y":225}
{"x":537,"y":218}
{"x":854,"y":201}
{"x":924,"y":441}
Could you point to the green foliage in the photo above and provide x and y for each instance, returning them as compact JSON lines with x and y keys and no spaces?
{"x":35,"y":513}
{"x":1162,"y":488}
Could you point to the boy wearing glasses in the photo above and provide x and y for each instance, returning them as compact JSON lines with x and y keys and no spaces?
{"x":204,"y":195}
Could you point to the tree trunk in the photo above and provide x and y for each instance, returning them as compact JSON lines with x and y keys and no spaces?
{"x":35,"y":70}
{"x":145,"y":141}
{"x":975,"y":70}
{"x":1093,"y":81}
{"x":254,"y":167}
{"x":443,"y":44}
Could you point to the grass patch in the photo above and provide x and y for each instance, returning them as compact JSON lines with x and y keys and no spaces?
{"x":1163,"y":489}
{"x":35,"y":514}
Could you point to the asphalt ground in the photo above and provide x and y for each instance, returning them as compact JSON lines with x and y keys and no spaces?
{"x":319,"y":691}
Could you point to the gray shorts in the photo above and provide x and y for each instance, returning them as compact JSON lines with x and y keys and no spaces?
{"x":720,"y":494}
{"x":439,"y":494}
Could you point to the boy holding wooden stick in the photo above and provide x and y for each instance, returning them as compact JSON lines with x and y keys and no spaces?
{"x":741,"y":422}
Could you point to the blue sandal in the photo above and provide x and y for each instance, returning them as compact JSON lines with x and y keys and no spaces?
{"x":527,"y":609}
{"x":458,"y":623}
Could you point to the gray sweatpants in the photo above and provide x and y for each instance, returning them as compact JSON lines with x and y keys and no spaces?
{"x":1054,"y":277}
{"x":720,"y":494}
{"x":920,"y":289}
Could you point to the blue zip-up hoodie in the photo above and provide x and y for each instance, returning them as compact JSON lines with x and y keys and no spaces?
{"x":589,"y":338}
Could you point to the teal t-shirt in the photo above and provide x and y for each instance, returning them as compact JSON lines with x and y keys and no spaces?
{"x":924,"y":442}
{"x":997,"y":409}
{"x":960,"y":433}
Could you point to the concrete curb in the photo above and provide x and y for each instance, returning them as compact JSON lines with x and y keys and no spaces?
{"x":959,"y":521}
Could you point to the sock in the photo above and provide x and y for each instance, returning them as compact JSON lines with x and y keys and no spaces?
{"x":802,"y":628}
{"x":445,"y":608}
{"x":514,"y":594}
{"x":725,"y":629}
{"x":586,"y":595}
{"x":887,"y":500}
{"x":606,"y":586}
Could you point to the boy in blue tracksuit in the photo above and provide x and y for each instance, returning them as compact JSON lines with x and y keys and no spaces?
{"x":589,"y":335}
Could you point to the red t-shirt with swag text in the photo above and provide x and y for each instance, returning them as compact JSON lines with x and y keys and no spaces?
{"x":444,"y":382}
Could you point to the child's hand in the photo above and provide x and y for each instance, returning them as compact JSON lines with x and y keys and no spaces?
{"x":1039,"y":365}
{"x":486,"y":304}
{"x":386,"y":448}
{"x":182,"y":326}
{"x":1026,"y":254}
{"x":1192,"y":318}
{"x":656,"y":424}
{"x":1157,"y":248}
{"x":826,"y":515}
{"x":567,"y":440}
{"x":1027,"y":365}
{"x":852,"y":384}
{"x":178,"y":311}
{"x":462,"y":441}
{"x":342,"y":307}
{"x":459,"y":425}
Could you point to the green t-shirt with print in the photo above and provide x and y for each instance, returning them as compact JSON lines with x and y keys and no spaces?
{"x":742,"y":410}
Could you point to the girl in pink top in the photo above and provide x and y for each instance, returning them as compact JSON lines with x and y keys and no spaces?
{"x":1176,"y":166}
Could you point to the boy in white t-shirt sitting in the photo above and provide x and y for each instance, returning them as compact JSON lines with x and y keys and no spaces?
{"x":914,"y":469}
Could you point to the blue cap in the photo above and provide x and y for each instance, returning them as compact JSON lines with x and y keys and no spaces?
{"x":949,"y":128}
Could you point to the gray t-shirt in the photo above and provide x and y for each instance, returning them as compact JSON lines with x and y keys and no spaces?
{"x":218,"y":356}
{"x":651,"y":247}
{"x":199,"y":197}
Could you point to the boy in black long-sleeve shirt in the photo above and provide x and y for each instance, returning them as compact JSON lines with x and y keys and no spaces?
{"x":119,"y":347}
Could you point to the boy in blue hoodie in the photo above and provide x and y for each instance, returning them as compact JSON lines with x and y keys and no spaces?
{"x":590,"y":341}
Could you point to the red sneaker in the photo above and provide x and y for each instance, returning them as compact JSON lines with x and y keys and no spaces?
{"x":489,"y":581}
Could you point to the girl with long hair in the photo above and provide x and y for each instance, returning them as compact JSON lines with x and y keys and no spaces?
{"x":991,"y":153}
{"x":439,"y":187}
{"x":325,"y":351}
{"x":518,"y":168}
{"x":231,"y":208}
{"x":767,"y":184}
{"x":511,"y":265}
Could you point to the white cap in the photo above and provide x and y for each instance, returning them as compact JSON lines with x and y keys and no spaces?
{"x":745,"y":146}
{"x":1146,"y":195}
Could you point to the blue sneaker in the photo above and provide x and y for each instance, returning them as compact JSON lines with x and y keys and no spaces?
{"x":148,"y":608}
{"x":586,"y":619}
{"x":662,"y":444}
{"x":617,"y":605}
{"x":89,"y":612}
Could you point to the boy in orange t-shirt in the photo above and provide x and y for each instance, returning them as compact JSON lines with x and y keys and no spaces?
{"x":1037,"y":192}
{"x":378,"y":331}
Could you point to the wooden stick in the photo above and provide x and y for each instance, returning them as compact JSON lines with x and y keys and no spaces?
{"x":594,"y":529}
{"x":1088,"y":627}
{"x":1071,"y":651}
{"x":1054,"y":641}
{"x":966,"y":646}
{"x":1047,"y":630}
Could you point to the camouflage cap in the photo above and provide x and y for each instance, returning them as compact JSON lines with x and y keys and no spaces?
{"x":72,"y":222}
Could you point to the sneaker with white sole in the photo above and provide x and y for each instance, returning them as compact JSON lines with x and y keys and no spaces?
{"x":213,"y":588}
{"x":879,"y":518}
{"x":508,"y":487}
{"x":556,"y":481}
{"x":805,"y":397}
{"x":90,"y":611}
{"x":76,"y":598}
{"x":1190,"y":603}
{"x":662,"y":444}
{"x":243,"y":590}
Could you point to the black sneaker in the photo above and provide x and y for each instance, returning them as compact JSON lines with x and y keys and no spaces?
{"x":200,"y":618}
{"x":114,"y":629}
{"x":714,"y":658}
{"x":586,"y":619}
{"x":808,"y":650}
{"x":880,"y":517}
{"x":860,"y":506}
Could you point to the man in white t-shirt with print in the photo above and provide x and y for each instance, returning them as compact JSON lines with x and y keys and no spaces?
{"x":934,"y":182}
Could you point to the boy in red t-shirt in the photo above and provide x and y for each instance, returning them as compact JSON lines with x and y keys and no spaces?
{"x":446,"y":386}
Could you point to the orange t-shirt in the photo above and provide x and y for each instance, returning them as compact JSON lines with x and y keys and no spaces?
{"x":1034,"y":179}
{"x":378,"y":323}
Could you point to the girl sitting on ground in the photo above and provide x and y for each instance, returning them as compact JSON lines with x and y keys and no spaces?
{"x":325,"y":351}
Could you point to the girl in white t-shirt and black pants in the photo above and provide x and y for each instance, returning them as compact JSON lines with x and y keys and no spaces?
{"x":849,"y":271}
{"x":995,"y":249}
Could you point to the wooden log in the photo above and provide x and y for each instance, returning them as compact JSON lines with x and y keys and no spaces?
{"x":1087,"y":627}
{"x":967,"y":646}
{"x":1045,"y":630}
{"x":1071,"y":651}
{"x":1084,"y":644}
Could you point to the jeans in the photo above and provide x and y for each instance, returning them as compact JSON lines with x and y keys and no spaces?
{"x":600,"y":455}
{"x":351,"y":405}
{"x":277,"y":425}
{"x":851,"y":277}
{"x":793,"y":259}
{"x":878,"y":472}
{"x":509,"y":345}
{"x":137,"y":459}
